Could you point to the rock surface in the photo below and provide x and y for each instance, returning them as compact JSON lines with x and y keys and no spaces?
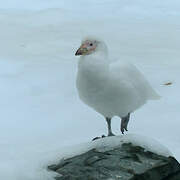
{"x":127,"y":162}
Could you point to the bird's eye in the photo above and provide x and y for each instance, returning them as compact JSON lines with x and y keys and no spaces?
{"x":91,"y":44}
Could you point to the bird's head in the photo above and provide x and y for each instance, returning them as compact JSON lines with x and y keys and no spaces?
{"x":90,"y":46}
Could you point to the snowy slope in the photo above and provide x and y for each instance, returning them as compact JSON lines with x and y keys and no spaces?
{"x":40,"y":110}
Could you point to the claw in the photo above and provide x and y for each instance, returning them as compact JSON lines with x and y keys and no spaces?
{"x":103,"y":136}
{"x":95,"y":138}
{"x":122,"y":126}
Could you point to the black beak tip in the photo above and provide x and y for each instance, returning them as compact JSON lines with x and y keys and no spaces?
{"x":77,"y":53}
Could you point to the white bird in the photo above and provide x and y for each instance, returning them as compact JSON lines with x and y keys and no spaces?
{"x":112,"y":89}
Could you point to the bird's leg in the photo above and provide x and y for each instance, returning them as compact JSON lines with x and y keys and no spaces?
{"x":124,"y":123}
{"x":127,"y":121}
{"x":108,"y":120}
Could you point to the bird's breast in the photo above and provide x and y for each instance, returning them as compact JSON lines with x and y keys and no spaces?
{"x":92,"y":84}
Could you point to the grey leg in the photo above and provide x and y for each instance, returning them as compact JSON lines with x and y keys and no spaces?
{"x":124,"y":123}
{"x":108,"y":120}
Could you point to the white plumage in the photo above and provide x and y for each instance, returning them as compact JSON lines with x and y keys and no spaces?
{"x":112,"y":89}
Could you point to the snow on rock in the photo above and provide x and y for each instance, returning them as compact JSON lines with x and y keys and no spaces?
{"x":111,"y":144}
{"x":34,"y":164}
{"x":37,"y":164}
{"x":124,"y":162}
{"x":104,"y":144}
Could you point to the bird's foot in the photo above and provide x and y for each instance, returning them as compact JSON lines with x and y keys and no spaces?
{"x":124,"y":123}
{"x":103,"y":136}
{"x":123,"y":129}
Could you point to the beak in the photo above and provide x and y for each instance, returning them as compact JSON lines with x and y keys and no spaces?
{"x":78,"y":52}
{"x":81,"y":51}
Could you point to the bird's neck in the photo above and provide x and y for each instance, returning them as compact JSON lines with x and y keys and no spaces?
{"x":102,"y":50}
{"x":94,"y":67}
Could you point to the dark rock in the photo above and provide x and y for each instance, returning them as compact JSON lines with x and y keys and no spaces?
{"x":127,"y":162}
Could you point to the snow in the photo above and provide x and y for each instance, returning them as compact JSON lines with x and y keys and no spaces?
{"x":35,"y":166}
{"x":105,"y":144}
{"x":41,"y":113}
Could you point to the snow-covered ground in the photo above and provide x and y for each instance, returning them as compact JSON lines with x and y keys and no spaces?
{"x":39,"y":106}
